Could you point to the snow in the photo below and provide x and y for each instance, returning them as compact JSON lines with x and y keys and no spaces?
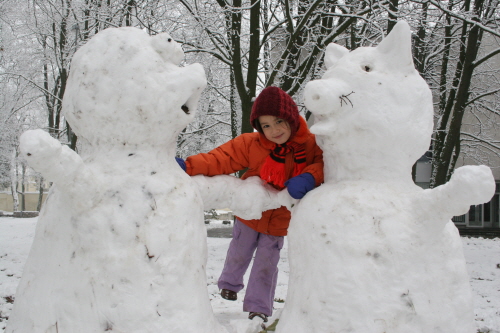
{"x":482,"y":256}
{"x":483,"y":266}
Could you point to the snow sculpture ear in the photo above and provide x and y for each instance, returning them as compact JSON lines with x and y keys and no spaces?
{"x":396,"y":48}
{"x":333,"y":54}
{"x":168,"y":48}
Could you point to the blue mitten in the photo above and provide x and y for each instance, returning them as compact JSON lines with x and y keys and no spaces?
{"x":181,"y":163}
{"x":299,"y":185}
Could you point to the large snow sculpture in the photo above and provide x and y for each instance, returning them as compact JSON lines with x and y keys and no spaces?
{"x":370,"y":252}
{"x":120,"y":244}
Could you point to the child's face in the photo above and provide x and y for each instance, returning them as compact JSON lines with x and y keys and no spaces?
{"x":275,"y":129}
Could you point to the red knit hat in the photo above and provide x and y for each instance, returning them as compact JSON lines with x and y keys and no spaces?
{"x":273,"y":101}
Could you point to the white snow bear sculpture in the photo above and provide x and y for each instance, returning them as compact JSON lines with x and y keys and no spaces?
{"x":371,"y":252}
{"x":120,"y":244}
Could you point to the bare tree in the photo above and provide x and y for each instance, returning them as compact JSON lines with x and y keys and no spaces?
{"x":459,"y":83}
{"x":290,"y":36}
{"x":248,"y":45}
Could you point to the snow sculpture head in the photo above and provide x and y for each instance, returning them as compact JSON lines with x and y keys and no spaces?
{"x":373,"y":111}
{"x":127,"y":88}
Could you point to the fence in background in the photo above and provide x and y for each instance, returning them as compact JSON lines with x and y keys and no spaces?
{"x":31,"y":201}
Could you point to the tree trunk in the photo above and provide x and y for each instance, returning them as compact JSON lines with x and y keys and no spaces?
{"x":23,"y":187}
{"x":446,"y":97}
{"x":13,"y":181}
{"x":129,"y":7}
{"x":445,"y":161}
{"x":233,"y":103}
{"x":72,"y":138}
{"x":419,"y":51}
{"x":40,"y":194}
{"x":244,"y":91}
{"x":393,"y":15}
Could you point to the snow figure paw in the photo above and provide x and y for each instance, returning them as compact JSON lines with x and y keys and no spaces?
{"x":46,"y":155}
{"x":39,"y":149}
{"x":59,"y":164}
{"x":471,"y":185}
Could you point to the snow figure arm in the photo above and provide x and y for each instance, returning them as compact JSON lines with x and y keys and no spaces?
{"x":469,"y":185}
{"x":57,"y":163}
{"x":246,"y":198}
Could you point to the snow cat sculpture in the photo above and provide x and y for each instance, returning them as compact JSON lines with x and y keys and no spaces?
{"x":370,"y":251}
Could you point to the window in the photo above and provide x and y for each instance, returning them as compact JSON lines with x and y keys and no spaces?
{"x":495,"y":211}
{"x":475,"y":216}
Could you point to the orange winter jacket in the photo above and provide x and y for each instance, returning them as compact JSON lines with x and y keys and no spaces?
{"x":249,"y":150}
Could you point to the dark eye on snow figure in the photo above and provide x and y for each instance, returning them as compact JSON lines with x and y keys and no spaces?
{"x":185,"y":109}
{"x":169,"y":40}
{"x":366,"y":68}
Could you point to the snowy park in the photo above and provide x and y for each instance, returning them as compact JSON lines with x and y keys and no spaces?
{"x":121,"y":246}
{"x":482,"y":256}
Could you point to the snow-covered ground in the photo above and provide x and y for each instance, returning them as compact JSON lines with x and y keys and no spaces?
{"x":482,"y":255}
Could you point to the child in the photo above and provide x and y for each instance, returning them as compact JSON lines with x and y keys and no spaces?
{"x":283,"y":153}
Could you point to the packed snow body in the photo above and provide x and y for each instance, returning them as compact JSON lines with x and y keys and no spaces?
{"x":369,"y":251}
{"x":120,"y":245}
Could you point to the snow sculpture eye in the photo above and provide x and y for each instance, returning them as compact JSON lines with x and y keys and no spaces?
{"x":366,"y":68}
{"x":169,"y":40}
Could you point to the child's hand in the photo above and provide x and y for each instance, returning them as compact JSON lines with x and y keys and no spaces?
{"x":181,"y":163}
{"x":299,"y":185}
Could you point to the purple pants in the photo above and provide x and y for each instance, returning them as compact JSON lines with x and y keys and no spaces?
{"x":259,"y":296}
